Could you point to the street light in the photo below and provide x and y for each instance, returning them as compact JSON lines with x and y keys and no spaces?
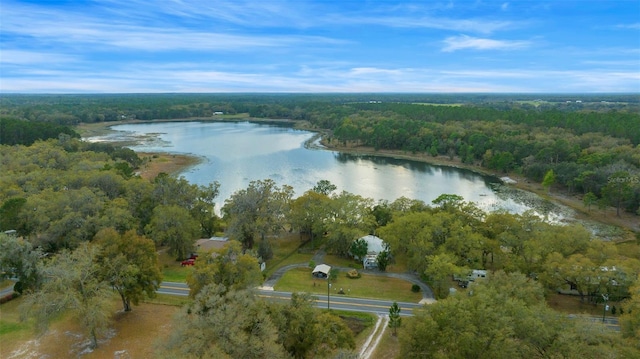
{"x":605,"y":297}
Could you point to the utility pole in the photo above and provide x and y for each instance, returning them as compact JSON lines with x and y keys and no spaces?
{"x":328,"y":292}
{"x":605,"y":297}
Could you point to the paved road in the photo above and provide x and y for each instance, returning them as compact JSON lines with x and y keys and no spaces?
{"x":340,"y":302}
{"x":174,"y":288}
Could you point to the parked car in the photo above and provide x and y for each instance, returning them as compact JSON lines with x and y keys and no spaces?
{"x":193,"y":256}
{"x":188,"y":262}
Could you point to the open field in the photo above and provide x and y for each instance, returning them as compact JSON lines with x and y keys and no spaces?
{"x":132,"y":335}
{"x":368,"y":286}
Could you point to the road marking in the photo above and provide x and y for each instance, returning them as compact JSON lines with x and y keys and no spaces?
{"x":332,"y":301}
{"x":176,"y":288}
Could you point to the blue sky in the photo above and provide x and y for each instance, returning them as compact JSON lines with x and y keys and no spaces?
{"x":125,"y":46}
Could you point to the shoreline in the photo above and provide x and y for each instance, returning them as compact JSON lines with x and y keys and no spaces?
{"x":174,"y":164}
{"x":607,"y":216}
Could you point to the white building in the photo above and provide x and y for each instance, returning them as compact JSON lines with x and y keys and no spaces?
{"x":375,"y":246}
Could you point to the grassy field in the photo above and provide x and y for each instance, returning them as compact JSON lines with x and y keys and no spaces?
{"x":172,"y":271}
{"x":287,"y":249}
{"x":132,"y":335}
{"x":368,"y":286}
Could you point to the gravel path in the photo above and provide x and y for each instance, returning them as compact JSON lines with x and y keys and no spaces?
{"x":369,"y":346}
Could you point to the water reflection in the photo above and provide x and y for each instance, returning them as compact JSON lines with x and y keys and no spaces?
{"x":237,"y":153}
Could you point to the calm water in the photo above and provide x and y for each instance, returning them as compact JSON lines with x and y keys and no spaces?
{"x":236,"y":153}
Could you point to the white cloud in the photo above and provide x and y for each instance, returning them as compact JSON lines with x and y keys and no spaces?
{"x":504,"y":6}
{"x":462,"y":42}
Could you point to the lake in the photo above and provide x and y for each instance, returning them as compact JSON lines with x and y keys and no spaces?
{"x":236,"y":153}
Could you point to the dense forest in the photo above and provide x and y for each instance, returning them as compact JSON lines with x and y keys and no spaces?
{"x":583,"y":144}
{"x":84,"y":219}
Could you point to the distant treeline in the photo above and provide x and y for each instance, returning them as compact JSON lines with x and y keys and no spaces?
{"x":20,"y":132}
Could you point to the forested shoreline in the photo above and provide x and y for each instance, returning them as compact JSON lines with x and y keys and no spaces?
{"x":81,"y":214}
{"x":581,"y":144}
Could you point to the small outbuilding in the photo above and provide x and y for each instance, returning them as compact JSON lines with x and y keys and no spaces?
{"x":321,"y":271}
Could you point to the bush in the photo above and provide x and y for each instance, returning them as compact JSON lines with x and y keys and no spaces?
{"x":353,"y":274}
{"x":415,"y":288}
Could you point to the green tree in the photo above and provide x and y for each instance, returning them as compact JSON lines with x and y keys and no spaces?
{"x":349,"y":218}
{"x":173,"y":226}
{"x":630,"y":320}
{"x":394,"y":318}
{"x":72,"y":283}
{"x":324,"y":187}
{"x":224,"y":324}
{"x":503,"y":317}
{"x":18,"y":259}
{"x":382,"y":259}
{"x":203,"y":209}
{"x":618,"y":190}
{"x":129,"y":264}
{"x":309,"y":213}
{"x":589,"y":200}
{"x":440,"y":267}
{"x":306,"y":332}
{"x":260,"y":209}
{"x":359,"y":248}
{"x":228,"y":267}
{"x":549,"y":180}
{"x":9,"y":218}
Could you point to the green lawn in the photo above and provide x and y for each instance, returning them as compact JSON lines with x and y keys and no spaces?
{"x":285,"y":251}
{"x":172,"y":271}
{"x":10,"y":318}
{"x":368,"y":286}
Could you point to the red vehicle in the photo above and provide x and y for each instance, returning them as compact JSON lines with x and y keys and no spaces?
{"x":188,"y":262}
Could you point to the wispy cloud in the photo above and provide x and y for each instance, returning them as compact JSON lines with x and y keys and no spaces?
{"x":439,"y":23}
{"x":26,"y":57}
{"x":312,"y":46}
{"x":115,"y":32}
{"x":634,"y":26}
{"x":463,"y":42}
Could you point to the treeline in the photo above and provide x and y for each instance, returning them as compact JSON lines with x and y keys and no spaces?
{"x":20,"y":132}
{"x":582,"y":159}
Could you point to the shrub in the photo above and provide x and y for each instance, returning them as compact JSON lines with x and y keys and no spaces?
{"x":353,"y":274}
{"x":415,"y":288}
